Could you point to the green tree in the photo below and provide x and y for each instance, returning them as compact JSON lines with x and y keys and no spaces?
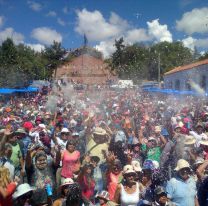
{"x":54,"y":55}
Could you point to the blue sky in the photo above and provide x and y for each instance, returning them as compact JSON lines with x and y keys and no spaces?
{"x":37,"y":23}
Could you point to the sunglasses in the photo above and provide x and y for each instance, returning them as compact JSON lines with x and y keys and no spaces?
{"x":130,"y":175}
{"x":63,"y":133}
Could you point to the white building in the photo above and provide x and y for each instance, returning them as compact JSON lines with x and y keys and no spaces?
{"x":188,"y":77}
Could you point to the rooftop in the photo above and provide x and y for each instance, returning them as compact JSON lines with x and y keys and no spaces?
{"x":186,"y":67}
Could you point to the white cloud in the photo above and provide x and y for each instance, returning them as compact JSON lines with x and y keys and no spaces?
{"x":51,"y":14}
{"x":46,"y":35}
{"x":137,"y":35}
{"x":61,"y":22}
{"x":203,"y":43}
{"x":189,"y":42}
{"x":36,"y":47}
{"x":34,"y":5}
{"x":96,"y":27}
{"x":1,"y":21}
{"x":10,"y":33}
{"x":158,"y":31}
{"x":195,"y":21}
{"x":65,"y":10}
{"x":106,"y":47}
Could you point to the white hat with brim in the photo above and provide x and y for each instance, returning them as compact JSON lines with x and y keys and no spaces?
{"x":65,"y":130}
{"x":103,"y":194}
{"x":189,"y":140}
{"x":99,"y":131}
{"x":182,"y":164}
{"x":22,"y":189}
{"x":67,"y":181}
{"x":203,"y":142}
{"x":136,"y":166}
{"x":128,"y":169}
{"x":199,"y":161}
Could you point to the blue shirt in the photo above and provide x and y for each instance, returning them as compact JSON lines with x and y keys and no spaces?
{"x":182,"y":193}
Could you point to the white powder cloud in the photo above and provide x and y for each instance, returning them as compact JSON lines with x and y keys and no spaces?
{"x":195,"y":21}
{"x":34,"y":5}
{"x":158,"y":31}
{"x":46,"y":35}
{"x":36,"y":47}
{"x":10,"y":33}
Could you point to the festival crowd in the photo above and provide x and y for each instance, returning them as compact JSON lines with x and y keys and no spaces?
{"x":103,"y":147}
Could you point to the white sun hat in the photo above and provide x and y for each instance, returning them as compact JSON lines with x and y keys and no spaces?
{"x":182,"y":164}
{"x":22,"y":189}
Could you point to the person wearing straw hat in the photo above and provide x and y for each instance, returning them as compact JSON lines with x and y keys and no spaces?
{"x":204,"y":145}
{"x":182,"y":188}
{"x":23,"y":195}
{"x":198,"y":133}
{"x":104,"y":200}
{"x":161,"y":198}
{"x":64,"y":189}
{"x":127,"y":193}
{"x":188,"y":152}
{"x":98,"y":144}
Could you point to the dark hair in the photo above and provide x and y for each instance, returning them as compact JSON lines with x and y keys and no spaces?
{"x":95,"y":159}
{"x":71,"y":142}
{"x":40,"y":154}
{"x":74,"y":196}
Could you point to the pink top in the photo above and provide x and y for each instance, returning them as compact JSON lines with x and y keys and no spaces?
{"x":70,"y":162}
{"x":113,"y":181}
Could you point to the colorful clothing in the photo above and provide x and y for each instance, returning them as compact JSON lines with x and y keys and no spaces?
{"x":70,"y":163}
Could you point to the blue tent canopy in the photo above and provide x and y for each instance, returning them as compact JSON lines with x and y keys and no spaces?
{"x":10,"y":91}
{"x":169,"y":91}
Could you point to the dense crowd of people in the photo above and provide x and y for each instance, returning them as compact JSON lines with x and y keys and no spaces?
{"x":103,"y":147}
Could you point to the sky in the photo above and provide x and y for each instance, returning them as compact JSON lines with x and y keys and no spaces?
{"x":37,"y":23}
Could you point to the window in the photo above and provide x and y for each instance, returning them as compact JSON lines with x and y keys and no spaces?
{"x":177,"y":84}
{"x":203,"y":82}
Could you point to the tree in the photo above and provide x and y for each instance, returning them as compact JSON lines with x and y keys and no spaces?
{"x":204,"y":56}
{"x":54,"y":55}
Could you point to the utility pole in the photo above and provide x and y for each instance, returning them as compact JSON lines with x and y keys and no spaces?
{"x":159,"y":68}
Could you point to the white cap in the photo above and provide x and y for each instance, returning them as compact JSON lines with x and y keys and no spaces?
{"x":65,"y":130}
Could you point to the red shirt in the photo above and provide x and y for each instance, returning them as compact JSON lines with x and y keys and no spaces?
{"x":8,"y":200}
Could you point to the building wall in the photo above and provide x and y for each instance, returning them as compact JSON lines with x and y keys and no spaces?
{"x":85,"y":69}
{"x":195,"y":75}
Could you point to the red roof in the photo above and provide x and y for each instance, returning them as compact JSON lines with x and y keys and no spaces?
{"x":186,"y":67}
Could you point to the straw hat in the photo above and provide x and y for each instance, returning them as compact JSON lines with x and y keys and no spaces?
{"x":182,"y":164}
{"x":136,"y":166}
{"x":103,"y":194}
{"x":189,"y":140}
{"x":67,"y":181}
{"x":128,"y":169}
{"x":199,"y":160}
{"x":20,"y":131}
{"x":22,"y":189}
{"x":99,"y":131}
{"x":204,"y":141}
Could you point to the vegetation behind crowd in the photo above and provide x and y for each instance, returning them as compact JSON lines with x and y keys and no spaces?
{"x":140,"y":61}
{"x":19,"y":64}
